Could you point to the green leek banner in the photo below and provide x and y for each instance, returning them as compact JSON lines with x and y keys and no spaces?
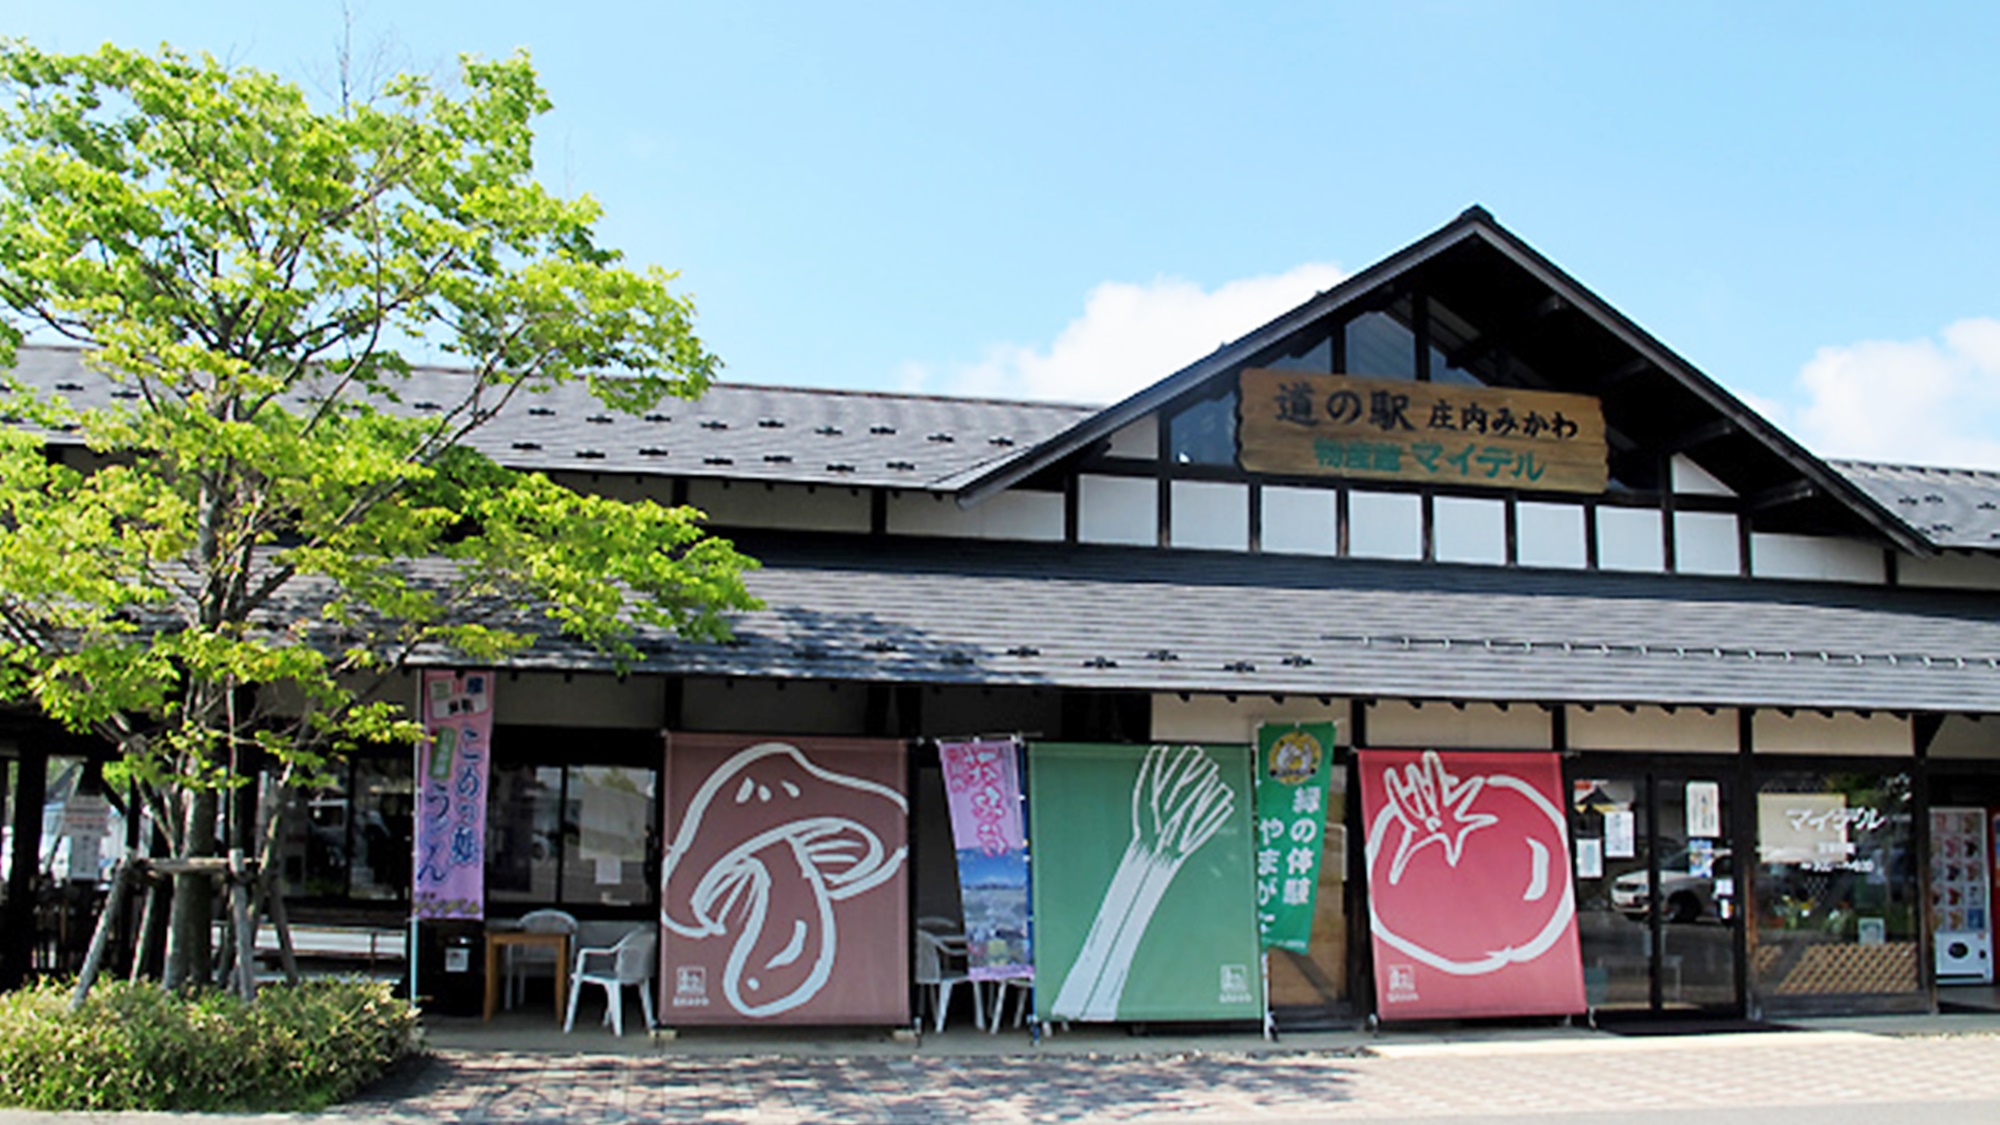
{"x":1294,"y":764}
{"x":1145,"y":907}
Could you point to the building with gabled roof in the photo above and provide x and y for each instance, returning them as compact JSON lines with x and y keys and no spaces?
{"x":1456,"y":503}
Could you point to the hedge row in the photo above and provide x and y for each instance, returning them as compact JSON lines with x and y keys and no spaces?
{"x":137,"y":1047}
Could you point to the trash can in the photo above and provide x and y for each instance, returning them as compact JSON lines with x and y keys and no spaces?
{"x":451,"y":968}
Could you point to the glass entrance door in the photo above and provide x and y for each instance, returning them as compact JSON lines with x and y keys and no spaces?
{"x":1657,"y":897}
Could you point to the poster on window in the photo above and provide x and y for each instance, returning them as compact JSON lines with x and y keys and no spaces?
{"x":454,"y":762}
{"x":1294,"y":763}
{"x":1146,"y":907}
{"x":784,"y":885}
{"x":1471,"y":908}
{"x":982,"y":783}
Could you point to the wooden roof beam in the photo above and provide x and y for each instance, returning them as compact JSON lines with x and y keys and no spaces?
{"x":1631,"y":368}
{"x":1703,"y":434}
{"x":1782,"y":495}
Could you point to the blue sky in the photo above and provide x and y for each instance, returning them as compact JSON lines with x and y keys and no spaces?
{"x":1067,"y":200}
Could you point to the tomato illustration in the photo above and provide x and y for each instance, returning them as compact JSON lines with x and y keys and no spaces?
{"x":1471,"y":906}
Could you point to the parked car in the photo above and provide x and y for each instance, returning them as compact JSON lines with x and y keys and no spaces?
{"x":1684,"y":897}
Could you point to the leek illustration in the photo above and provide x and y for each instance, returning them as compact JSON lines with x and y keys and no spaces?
{"x":1178,"y":803}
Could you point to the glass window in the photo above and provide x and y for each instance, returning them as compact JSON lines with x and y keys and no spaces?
{"x":608,"y":834}
{"x":312,"y":848}
{"x":1379,"y":346}
{"x":1442,"y":371}
{"x":1205,"y":433}
{"x":523,"y":832}
{"x":1835,"y":889}
{"x":382,"y":806}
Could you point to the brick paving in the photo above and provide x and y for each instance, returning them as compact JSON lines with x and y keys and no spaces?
{"x":1532,"y":1079}
{"x":1483,"y":1074}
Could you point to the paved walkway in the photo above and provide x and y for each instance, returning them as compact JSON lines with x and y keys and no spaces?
{"x":1597,"y":1074}
{"x":1953,"y":1065}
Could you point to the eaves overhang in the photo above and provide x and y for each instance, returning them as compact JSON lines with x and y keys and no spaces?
{"x":1474,"y":223}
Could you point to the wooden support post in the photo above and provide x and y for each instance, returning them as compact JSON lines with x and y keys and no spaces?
{"x":274,"y":905}
{"x":246,"y":926}
{"x":100,"y":939}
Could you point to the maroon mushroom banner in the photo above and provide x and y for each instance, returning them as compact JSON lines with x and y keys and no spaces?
{"x":1470,"y":906}
{"x":784,"y":887}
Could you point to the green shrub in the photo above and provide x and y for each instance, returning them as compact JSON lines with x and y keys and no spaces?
{"x":139,"y":1047}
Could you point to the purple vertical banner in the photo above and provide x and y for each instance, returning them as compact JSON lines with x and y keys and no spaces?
{"x":982,"y":782}
{"x":449,"y":868}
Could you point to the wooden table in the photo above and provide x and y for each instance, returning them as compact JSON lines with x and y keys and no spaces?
{"x":499,"y":941}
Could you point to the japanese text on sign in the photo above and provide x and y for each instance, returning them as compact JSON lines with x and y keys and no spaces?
{"x":1294,"y":771}
{"x":1338,"y":425}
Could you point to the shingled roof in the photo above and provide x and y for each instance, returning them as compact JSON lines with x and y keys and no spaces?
{"x":793,"y":434}
{"x":1141,"y":619}
{"x":1957,"y":509}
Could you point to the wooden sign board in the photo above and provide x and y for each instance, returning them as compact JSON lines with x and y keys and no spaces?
{"x":1302,"y":424}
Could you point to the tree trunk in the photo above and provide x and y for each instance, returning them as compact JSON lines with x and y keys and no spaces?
{"x":191,"y":931}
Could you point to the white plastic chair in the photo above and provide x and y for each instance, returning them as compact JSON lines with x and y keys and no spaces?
{"x":1024,"y":988}
{"x":932,"y":973}
{"x":529,"y":956}
{"x":632,"y":961}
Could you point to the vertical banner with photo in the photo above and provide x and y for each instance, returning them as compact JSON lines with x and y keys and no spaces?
{"x":784,"y":888}
{"x":1294,"y":763}
{"x":1145,"y":900}
{"x":449,"y":874}
{"x":982,"y":782}
{"x":1471,"y":908}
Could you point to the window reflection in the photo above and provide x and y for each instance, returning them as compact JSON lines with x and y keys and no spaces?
{"x":554,"y":834}
{"x":523,"y":832}
{"x":1380,"y":346}
{"x":312,"y":847}
{"x":1835,"y":886}
{"x":607,"y":834}
{"x":383,"y":801}
{"x":1205,"y":433}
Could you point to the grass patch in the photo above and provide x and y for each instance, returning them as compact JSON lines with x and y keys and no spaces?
{"x":137,"y":1047}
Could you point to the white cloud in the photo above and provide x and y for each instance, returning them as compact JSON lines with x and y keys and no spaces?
{"x":1128,"y":337}
{"x":1929,"y":401}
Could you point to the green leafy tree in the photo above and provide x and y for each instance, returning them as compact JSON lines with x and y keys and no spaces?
{"x":260,"y":534}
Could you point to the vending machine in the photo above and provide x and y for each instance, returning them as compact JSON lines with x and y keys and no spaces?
{"x":1962,"y":882}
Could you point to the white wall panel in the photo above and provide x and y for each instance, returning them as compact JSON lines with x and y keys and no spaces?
{"x":773,"y":707}
{"x":1809,"y":732}
{"x":1651,"y":729}
{"x":1210,"y":515}
{"x":1629,"y":539}
{"x":1816,"y":558}
{"x":1470,"y":531}
{"x":1140,"y":440}
{"x":1961,"y":737}
{"x":1118,"y":510}
{"x":1215,"y":718}
{"x":793,"y":506}
{"x":618,"y":486}
{"x":549,"y":699}
{"x":1706,"y":543}
{"x":1478,"y":726}
{"x":1691,"y":479}
{"x":1299,"y":521}
{"x":1021,"y":515}
{"x":1385,"y":525}
{"x":1963,"y":572}
{"x":1549,"y":535}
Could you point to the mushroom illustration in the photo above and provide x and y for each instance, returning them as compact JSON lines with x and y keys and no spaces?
{"x":768,"y":865}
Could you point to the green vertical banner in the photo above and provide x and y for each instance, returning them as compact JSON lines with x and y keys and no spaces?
{"x":1145,"y":905}
{"x":1294,"y":765}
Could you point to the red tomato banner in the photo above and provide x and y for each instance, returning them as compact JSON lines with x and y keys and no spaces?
{"x":1471,"y":908}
